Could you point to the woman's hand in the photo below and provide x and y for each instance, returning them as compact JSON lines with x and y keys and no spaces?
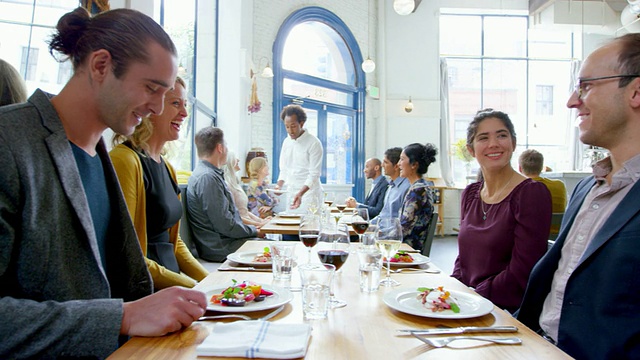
{"x":264,"y":210}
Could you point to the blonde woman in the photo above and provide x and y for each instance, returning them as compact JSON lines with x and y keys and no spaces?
{"x":239,"y":196}
{"x":152,"y":194}
{"x":260,"y":203}
{"x":12,"y":88}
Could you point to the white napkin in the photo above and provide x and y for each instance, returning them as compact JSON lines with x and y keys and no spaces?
{"x":256,"y":339}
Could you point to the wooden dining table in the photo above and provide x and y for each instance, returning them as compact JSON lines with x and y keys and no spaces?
{"x":365,"y":329}
{"x":286,"y":225}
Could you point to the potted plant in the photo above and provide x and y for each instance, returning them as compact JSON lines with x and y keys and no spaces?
{"x":462,"y":153}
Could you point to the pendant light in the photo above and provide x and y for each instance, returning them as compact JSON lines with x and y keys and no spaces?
{"x":368,"y":65}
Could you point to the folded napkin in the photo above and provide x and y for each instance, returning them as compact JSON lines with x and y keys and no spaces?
{"x":256,"y":339}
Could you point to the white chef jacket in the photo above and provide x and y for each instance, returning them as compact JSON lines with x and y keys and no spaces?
{"x":301,"y":164}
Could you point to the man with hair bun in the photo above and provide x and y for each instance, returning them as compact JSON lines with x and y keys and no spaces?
{"x":74,"y":280}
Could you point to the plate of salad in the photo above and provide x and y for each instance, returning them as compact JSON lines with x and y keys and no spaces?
{"x":247,"y":296}
{"x":252,"y":258}
{"x":405,"y":259}
{"x":437,"y":302}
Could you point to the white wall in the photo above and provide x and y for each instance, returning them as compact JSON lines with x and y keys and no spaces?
{"x":409,"y":67}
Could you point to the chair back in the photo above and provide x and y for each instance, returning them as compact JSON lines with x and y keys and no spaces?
{"x":185,"y":225}
{"x":556,"y":220}
{"x":431,"y":231}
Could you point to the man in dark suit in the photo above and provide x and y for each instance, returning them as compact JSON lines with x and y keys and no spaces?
{"x":375,"y":198}
{"x":584,"y":294}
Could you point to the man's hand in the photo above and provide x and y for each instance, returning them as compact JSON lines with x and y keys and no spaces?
{"x":351,"y":202}
{"x":163,"y":312}
{"x":296,"y":201}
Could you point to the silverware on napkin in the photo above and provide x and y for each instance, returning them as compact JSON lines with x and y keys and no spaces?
{"x":250,"y":268}
{"x":461,"y":330}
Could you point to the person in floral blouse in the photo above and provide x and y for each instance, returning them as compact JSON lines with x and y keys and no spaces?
{"x":417,"y":208}
{"x":260,"y":202}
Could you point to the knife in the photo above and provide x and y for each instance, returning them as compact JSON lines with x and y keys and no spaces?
{"x":244,"y":269}
{"x":461,"y":330}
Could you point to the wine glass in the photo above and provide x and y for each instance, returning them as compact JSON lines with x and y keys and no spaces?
{"x":328,"y":198}
{"x":313,"y":205}
{"x":309,"y":232}
{"x":360,"y":221}
{"x":388,"y":241}
{"x":333,"y":248}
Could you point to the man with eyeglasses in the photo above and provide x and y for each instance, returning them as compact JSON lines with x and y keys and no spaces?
{"x":584,"y":294}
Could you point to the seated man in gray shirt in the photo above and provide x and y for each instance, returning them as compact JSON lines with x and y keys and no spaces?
{"x":214,"y":219}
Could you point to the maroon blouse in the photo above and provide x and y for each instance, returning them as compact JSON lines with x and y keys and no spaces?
{"x":496,"y":255}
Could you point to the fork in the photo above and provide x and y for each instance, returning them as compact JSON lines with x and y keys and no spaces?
{"x":242,"y":317}
{"x":441,"y":342}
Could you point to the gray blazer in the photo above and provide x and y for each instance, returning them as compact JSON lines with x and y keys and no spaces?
{"x":56,"y":299}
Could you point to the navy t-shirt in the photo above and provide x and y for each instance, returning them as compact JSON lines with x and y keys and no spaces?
{"x":95,"y":188}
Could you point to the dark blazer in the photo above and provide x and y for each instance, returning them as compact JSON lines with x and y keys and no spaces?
{"x":601,"y":307}
{"x":375,"y":201}
{"x":56,"y":298}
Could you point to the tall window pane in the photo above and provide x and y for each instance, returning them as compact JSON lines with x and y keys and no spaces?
{"x":505,"y":36}
{"x":460,"y":35}
{"x":524,"y":73}
{"x":315,"y":49}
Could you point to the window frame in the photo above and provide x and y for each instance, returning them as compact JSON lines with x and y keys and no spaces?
{"x":314,"y":13}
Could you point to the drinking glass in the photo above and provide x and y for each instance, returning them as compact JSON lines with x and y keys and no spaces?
{"x":333,"y":248}
{"x":309,"y":232}
{"x":360,"y":221}
{"x":313,"y":204}
{"x":388,"y":241}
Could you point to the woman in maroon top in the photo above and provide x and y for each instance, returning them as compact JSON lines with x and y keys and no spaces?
{"x":505,"y":218}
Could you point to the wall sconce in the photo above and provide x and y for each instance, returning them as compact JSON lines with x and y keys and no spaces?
{"x":267,"y":72}
{"x":409,"y":106}
{"x":405,"y":7}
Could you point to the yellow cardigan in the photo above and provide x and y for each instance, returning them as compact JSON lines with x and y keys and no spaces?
{"x":129,"y":169}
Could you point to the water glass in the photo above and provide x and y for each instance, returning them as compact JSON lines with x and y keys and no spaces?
{"x":282,"y":257}
{"x":316,"y":280}
{"x":370,"y":266}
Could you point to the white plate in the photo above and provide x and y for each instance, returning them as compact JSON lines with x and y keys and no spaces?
{"x":276,"y":192}
{"x":246,"y":258}
{"x":280,"y":297}
{"x":405,"y":300}
{"x":287,"y":221}
{"x":289,"y":216}
{"x":418,"y":260}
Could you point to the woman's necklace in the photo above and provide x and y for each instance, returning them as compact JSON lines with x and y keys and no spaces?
{"x":484,"y":213}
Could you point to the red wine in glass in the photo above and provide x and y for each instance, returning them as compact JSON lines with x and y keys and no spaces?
{"x":341,"y":207}
{"x":309,"y":240}
{"x":335,"y":257}
{"x":360,"y":227}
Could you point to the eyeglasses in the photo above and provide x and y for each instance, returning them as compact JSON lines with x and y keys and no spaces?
{"x":581,"y":85}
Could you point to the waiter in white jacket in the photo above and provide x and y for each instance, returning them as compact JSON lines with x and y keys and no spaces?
{"x":300,"y":160}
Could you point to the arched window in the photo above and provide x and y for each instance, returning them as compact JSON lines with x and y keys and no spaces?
{"x":317,"y":65}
